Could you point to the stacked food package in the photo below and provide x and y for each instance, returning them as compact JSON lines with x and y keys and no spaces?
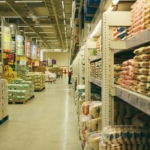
{"x":80,"y":97}
{"x":117,"y":73}
{"x":22,"y":71}
{"x":96,"y":70}
{"x":98,"y":46}
{"x":3,"y":99}
{"x":140,"y":17}
{"x":127,"y":74}
{"x":20,"y":90}
{"x":37,"y":78}
{"x":141,"y":71}
{"x":125,"y":138}
{"x":93,"y":141}
{"x":119,"y":33}
{"x":9,"y":73}
{"x":92,"y":70}
{"x":90,"y":119}
{"x":93,"y":52}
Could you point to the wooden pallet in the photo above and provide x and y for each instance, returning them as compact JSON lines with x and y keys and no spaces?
{"x":21,"y":102}
{"x":4,"y":119}
{"x":39,"y":90}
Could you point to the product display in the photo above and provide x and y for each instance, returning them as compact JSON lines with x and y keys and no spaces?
{"x":38,"y":80}
{"x":124,"y":137}
{"x":98,"y":46}
{"x":119,"y":33}
{"x":9,"y":73}
{"x":96,"y":70}
{"x":20,"y":90}
{"x":3,"y":99}
{"x":22,"y":71}
{"x":140,"y":17}
{"x":93,"y":141}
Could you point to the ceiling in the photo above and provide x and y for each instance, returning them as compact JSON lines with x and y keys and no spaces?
{"x":46,"y":20}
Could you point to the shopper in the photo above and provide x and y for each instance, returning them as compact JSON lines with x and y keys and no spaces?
{"x":69,"y":75}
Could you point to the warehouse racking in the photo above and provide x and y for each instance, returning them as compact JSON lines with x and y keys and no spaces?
{"x":110,"y":48}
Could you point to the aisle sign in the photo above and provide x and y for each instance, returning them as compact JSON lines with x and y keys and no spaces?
{"x":36,"y":63}
{"x":19,"y":45}
{"x":28,"y":49}
{"x":23,"y":60}
{"x":10,"y":58}
{"x":33,"y":52}
{"x":6,"y":39}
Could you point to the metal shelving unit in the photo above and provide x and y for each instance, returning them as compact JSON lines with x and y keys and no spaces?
{"x":96,"y":82}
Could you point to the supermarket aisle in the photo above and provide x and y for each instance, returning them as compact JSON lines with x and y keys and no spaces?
{"x":48,"y":122}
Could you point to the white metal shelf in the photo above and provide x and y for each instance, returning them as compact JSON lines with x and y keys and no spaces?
{"x":94,"y":58}
{"x":139,"y":39}
{"x":135,"y":99}
{"x":95,"y":81}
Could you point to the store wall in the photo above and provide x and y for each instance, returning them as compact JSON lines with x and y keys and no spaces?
{"x":62,"y":59}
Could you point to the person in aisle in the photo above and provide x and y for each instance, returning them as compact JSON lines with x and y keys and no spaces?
{"x":69,"y":75}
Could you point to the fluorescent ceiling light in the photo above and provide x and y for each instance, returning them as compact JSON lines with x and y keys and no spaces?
{"x":64,"y":14}
{"x":10,"y":16}
{"x":115,"y":2}
{"x":42,"y":26}
{"x":23,"y":26}
{"x":28,"y":1}
{"x":29,"y":32}
{"x":51,"y":40}
{"x":46,"y":32}
{"x":49,"y":37}
{"x":37,"y":16}
{"x":64,"y":22}
{"x":2,"y":1}
{"x":63,"y":4}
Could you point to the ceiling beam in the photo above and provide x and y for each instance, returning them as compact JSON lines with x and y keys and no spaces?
{"x":56,"y":18}
{"x":17,"y":13}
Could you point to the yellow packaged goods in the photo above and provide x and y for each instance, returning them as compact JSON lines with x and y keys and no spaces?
{"x":117,"y":67}
{"x":143,"y":85}
{"x":141,"y":64}
{"x":144,"y":57}
{"x":85,"y":107}
{"x":117,"y":73}
{"x":142,"y":50}
{"x":96,"y":109}
{"x":143,"y":78}
{"x":94,"y":124}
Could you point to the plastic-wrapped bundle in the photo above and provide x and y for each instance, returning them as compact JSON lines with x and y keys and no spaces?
{"x":83,"y":128}
{"x":125,"y":135}
{"x":85,"y":107}
{"x":94,"y":124}
{"x":93,"y":140}
{"x":96,"y":109}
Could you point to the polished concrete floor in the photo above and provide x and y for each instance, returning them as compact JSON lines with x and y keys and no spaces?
{"x":47,"y":122}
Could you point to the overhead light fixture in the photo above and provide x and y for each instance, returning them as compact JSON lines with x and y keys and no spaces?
{"x":23,"y":26}
{"x":29,"y":32}
{"x":64,"y":14}
{"x":46,"y":32}
{"x":43,"y":26}
{"x":51,"y":40}
{"x":49,"y":37}
{"x":37,"y":16}
{"x":10,"y":16}
{"x":115,"y":2}
{"x":2,"y":1}
{"x":62,"y":4}
{"x":28,"y":1}
{"x":64,"y":22}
